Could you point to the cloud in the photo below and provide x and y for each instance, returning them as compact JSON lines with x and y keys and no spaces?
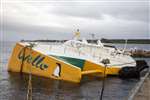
{"x":58,"y":20}
{"x":122,"y":10}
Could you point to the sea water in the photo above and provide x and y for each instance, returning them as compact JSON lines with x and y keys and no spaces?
{"x":13,"y":86}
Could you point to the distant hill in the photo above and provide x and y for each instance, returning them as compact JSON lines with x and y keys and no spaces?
{"x":119,"y":41}
{"x":131,"y":41}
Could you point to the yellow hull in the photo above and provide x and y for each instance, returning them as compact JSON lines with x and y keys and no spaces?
{"x":26,"y":60}
{"x":68,"y":72}
{"x":99,"y":70}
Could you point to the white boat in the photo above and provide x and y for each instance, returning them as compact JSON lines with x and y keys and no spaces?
{"x":69,"y":61}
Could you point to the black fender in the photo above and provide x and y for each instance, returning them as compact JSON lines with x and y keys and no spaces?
{"x":129,"y":72}
{"x":133,"y":72}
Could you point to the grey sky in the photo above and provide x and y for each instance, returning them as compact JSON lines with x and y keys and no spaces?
{"x":45,"y":19}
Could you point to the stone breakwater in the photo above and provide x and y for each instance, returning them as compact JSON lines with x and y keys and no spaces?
{"x":140,"y":53}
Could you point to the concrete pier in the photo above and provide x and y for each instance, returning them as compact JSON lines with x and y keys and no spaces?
{"x":144,"y":91}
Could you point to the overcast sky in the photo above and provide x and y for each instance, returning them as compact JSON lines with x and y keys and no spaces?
{"x":50,"y":19}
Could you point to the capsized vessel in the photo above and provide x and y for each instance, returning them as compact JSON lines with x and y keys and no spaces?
{"x":69,"y":61}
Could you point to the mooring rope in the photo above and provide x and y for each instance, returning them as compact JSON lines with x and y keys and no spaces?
{"x":22,"y":62}
{"x":105,"y":62}
{"x":104,"y":77}
{"x":103,"y":84}
{"x":29,"y":88}
{"x":29,"y":91}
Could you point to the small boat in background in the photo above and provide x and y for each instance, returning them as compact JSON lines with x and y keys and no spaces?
{"x":69,"y":61}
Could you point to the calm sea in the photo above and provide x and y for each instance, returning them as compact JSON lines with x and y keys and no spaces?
{"x":13,"y":86}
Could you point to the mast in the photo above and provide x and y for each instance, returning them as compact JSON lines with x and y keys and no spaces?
{"x":125,"y":45}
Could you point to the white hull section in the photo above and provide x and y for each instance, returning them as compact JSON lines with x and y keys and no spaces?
{"x":91,"y":52}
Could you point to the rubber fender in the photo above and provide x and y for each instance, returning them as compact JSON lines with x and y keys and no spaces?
{"x":141,"y":64}
{"x":129,"y":72}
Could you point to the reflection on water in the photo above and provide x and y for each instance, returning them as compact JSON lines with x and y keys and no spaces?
{"x":13,"y":86}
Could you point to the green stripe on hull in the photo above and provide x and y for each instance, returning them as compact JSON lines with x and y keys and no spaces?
{"x":74,"y":61}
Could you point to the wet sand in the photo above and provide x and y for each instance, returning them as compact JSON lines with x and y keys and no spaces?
{"x":144,"y":92}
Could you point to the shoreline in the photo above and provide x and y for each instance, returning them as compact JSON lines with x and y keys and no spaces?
{"x":117,"y":41}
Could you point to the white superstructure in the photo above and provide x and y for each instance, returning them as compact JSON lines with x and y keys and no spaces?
{"x":92,"y":52}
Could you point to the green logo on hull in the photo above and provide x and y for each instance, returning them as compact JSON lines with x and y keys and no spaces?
{"x":35,"y":61}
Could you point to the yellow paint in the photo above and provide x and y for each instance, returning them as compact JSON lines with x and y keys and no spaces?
{"x":68,"y":72}
{"x":88,"y":66}
{"x":91,"y":72}
{"x":112,"y":70}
